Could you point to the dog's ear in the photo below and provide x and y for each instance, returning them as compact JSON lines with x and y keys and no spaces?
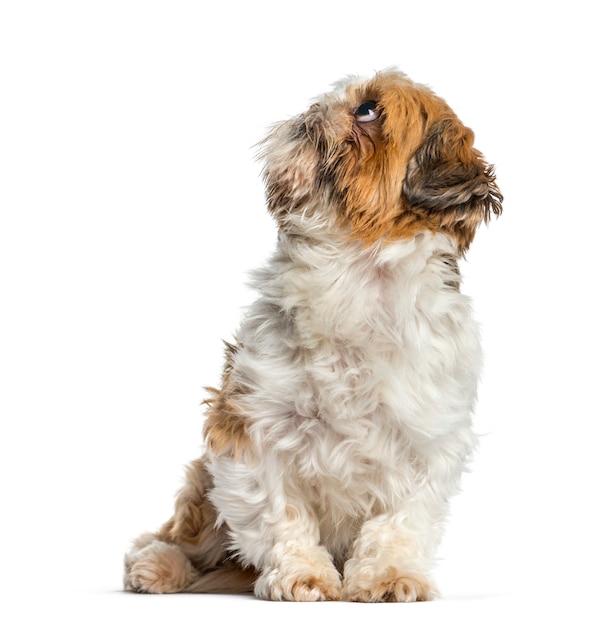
{"x":449,"y":183}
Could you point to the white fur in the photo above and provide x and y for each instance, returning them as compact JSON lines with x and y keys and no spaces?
{"x":363,"y":364}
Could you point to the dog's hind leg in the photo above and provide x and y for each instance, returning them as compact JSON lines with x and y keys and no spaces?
{"x":188,"y":553}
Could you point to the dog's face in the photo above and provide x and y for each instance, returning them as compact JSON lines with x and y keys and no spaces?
{"x":379,"y":160}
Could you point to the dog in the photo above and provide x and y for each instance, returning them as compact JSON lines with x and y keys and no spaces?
{"x":344,"y":418}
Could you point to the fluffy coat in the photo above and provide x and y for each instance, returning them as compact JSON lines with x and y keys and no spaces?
{"x":343,"y":422}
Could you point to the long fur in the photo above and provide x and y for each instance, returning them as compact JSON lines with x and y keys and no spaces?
{"x":343,"y":421}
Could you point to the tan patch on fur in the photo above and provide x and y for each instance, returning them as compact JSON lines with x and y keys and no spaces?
{"x":303,"y":574}
{"x":305,"y":588}
{"x":394,"y":587}
{"x":226,"y":426}
{"x":417,"y":136}
{"x":159,"y":568}
{"x":371,"y":174}
{"x":162,"y":567}
{"x":188,"y":553}
{"x":314,"y":589}
{"x":292,"y":513}
{"x":194,"y":519}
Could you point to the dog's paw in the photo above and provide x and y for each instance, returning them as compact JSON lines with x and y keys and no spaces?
{"x":310,"y":588}
{"x":368,"y":584}
{"x":310,"y":579}
{"x":158,"y":567}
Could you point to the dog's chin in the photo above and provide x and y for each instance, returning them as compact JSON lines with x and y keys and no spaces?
{"x":411,"y":167}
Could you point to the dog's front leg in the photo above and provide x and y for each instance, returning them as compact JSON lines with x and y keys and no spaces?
{"x":390,"y":562}
{"x":275,"y":533}
{"x":297,"y":567}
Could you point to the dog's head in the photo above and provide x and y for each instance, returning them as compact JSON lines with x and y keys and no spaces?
{"x":382,"y":160}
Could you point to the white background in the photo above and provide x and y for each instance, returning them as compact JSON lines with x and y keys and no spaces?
{"x":131,"y":210}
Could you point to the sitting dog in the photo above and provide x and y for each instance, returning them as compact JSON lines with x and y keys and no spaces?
{"x":343,"y":421}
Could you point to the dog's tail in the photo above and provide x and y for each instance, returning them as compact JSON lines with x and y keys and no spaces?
{"x":188,"y":554}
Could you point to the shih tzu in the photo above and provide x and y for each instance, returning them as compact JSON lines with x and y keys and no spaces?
{"x":343,"y":420}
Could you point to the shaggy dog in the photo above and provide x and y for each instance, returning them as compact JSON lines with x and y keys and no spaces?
{"x":343,"y":421}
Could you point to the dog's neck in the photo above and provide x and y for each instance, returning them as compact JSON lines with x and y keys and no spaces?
{"x":340,"y":289}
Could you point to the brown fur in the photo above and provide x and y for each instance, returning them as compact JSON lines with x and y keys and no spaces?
{"x":446,"y":184}
{"x":194,"y":517}
{"x":226,"y":427}
{"x":188,"y":553}
{"x":413,"y":169}
{"x":230,"y":578}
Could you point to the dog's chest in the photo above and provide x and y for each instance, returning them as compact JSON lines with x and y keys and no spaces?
{"x":375,"y":330}
{"x":357,"y":362}
{"x":376,"y":356}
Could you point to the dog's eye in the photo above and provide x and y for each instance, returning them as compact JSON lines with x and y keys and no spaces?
{"x":367,"y":112}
